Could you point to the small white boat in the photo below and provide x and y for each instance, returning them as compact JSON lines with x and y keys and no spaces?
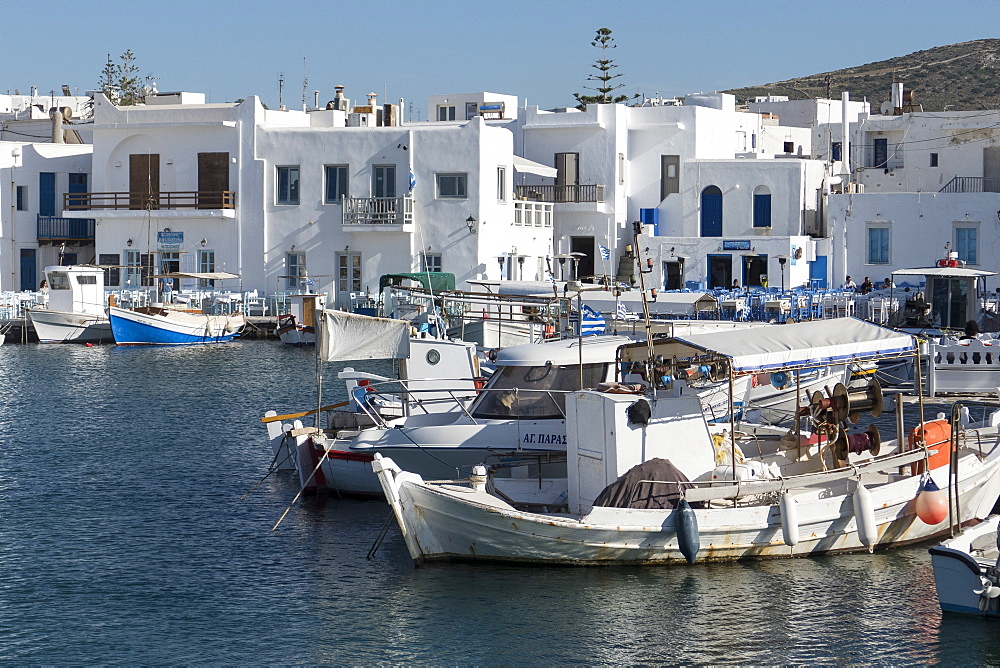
{"x":74,"y":312}
{"x":297,"y":326}
{"x":967,"y":570}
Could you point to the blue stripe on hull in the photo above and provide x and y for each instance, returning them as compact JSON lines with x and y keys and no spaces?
{"x":130,"y":333}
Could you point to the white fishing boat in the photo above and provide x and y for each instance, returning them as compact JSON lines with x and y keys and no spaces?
{"x":75,"y":309}
{"x":167,"y":325}
{"x":967,"y":570}
{"x":650,"y":480}
{"x":296,"y":327}
{"x":517,"y":421}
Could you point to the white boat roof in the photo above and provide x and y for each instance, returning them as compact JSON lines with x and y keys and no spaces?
{"x":596,"y":349}
{"x":207,"y":275}
{"x":954,"y":272}
{"x":76,"y":268}
{"x":604,"y":300}
{"x":786,"y":346}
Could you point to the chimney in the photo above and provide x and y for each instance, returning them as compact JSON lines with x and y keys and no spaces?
{"x":56,"y":114}
{"x":897,"y":98}
{"x":845,"y":138}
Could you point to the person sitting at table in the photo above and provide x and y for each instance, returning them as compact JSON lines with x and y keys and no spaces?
{"x":849,"y":284}
{"x":867,"y":286}
{"x":736,"y":284}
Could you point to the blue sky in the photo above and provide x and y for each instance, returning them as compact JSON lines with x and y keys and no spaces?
{"x":536,"y":50}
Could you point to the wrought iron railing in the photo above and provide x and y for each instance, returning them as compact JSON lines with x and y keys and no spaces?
{"x":189,"y":199}
{"x":54,"y":228}
{"x":971,"y":184}
{"x":589,"y":192}
{"x":378,"y":210}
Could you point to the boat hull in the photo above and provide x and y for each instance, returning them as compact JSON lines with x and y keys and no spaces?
{"x":67,"y":327}
{"x":454,"y":523}
{"x":958,"y":574}
{"x":171,"y":328}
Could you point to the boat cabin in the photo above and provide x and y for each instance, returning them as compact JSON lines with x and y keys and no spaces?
{"x":951,"y":297}
{"x":76,"y":289}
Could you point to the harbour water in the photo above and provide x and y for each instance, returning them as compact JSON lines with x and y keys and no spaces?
{"x":123,"y":540}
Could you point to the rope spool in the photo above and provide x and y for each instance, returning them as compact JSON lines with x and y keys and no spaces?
{"x":867,"y":441}
{"x":867,"y":399}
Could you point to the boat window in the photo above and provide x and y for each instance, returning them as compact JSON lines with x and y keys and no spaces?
{"x":86,"y":280}
{"x":58,"y":280}
{"x":533,"y":392}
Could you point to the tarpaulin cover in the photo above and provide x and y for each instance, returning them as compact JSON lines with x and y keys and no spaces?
{"x":436,"y":281}
{"x":349,"y":336}
{"x":820,"y":342}
{"x":630,"y":491}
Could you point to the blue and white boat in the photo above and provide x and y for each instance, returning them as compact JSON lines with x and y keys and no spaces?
{"x":165,"y":325}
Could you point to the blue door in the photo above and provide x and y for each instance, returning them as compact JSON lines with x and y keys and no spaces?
{"x":711,"y":212}
{"x":46,"y":194}
{"x":77,"y":186}
{"x":817,"y":272}
{"x":762,"y":210}
{"x":28,"y":274}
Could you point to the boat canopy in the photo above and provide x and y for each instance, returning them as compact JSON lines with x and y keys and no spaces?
{"x":596,"y":350}
{"x":350,"y":336}
{"x":436,"y":281}
{"x":666,"y":303}
{"x":208,"y":276}
{"x":804,"y":344}
{"x":950,"y":272}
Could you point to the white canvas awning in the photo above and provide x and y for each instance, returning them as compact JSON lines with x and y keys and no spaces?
{"x":951,"y":272}
{"x":793,"y":345}
{"x":208,"y":276}
{"x":529,"y":167}
{"x":349,"y":336}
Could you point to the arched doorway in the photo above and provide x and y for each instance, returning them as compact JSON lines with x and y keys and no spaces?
{"x":711,"y":212}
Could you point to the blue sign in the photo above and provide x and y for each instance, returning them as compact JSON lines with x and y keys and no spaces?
{"x":170,"y":238}
{"x":738,"y":244}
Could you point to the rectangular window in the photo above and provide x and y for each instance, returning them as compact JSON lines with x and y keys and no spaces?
{"x":206,"y":265}
{"x":430,"y":262}
{"x":789,"y":147}
{"x":451,"y":186}
{"x":22,"y":198}
{"x":934,"y":159}
{"x":336,"y":183}
{"x":112,"y":268}
{"x":295,"y":269}
{"x":836,"y":149}
{"x":348,"y":274}
{"x":878,"y":245}
{"x":621,"y":169}
{"x":966,"y":243}
{"x":501,"y":184}
{"x":446,"y":112}
{"x":471,"y":110}
{"x":670,"y":180}
{"x":288,"y":185}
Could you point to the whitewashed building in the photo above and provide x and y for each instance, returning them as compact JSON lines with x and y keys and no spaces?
{"x":34,"y":180}
{"x":925,"y":181}
{"x":340,"y":195}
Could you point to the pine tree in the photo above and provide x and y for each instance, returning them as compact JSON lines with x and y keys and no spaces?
{"x":120,"y":83}
{"x":604,"y":65}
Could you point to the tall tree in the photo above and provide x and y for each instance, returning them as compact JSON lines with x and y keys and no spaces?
{"x":604,"y":66}
{"x":120,"y":82}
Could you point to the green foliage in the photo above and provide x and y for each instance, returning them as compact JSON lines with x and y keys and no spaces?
{"x":120,"y":82}
{"x":604,"y":76}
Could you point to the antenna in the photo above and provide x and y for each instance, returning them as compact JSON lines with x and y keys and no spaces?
{"x":281,"y":90}
{"x":305,"y":84}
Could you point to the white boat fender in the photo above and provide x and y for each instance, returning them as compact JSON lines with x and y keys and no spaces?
{"x":864,"y":515}
{"x":789,"y":519}
{"x":686,"y":524}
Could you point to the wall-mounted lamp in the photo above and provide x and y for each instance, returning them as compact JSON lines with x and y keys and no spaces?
{"x":293,"y":248}
{"x":347,"y":249}
{"x":167,"y":230}
{"x":471,"y":223}
{"x":204,"y":242}
{"x":129,"y":243}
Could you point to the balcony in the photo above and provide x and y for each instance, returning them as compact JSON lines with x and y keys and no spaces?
{"x":225,"y":199}
{"x":586,"y":193}
{"x":381,"y":214}
{"x":971,"y":184}
{"x":56,"y":229}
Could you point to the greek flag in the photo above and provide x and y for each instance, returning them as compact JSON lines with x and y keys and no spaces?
{"x":605,"y":253}
{"x":622,"y":311}
{"x":593,"y":322}
{"x":413,"y":181}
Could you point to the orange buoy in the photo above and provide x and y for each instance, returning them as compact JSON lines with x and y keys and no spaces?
{"x":932,"y":502}
{"x":935,"y":434}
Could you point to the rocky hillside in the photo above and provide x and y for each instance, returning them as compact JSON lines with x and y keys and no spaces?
{"x":963,"y":76}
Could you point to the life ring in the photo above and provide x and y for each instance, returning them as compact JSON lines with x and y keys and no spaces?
{"x":779,"y":380}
